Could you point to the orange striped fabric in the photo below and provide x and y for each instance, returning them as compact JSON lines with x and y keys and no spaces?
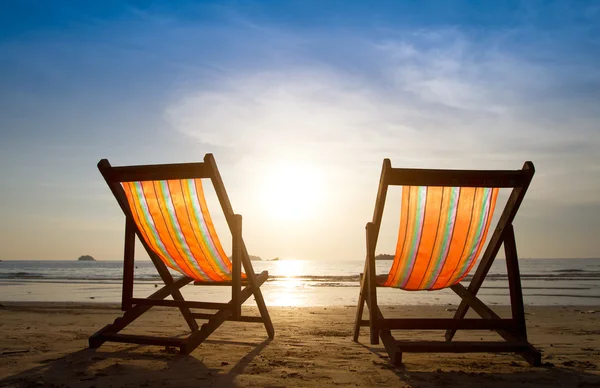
{"x":442,"y":232}
{"x":174,"y":221}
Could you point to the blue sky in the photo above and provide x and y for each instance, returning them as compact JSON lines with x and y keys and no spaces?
{"x":326,"y":89}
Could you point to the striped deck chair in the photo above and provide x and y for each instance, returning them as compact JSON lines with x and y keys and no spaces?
{"x":445,"y":218}
{"x":165,"y":207}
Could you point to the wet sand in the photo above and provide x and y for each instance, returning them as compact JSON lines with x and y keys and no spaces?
{"x":45,"y":344}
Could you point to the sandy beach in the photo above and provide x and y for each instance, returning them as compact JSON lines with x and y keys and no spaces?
{"x":46,"y":345}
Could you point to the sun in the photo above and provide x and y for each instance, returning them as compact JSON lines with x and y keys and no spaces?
{"x":291,"y":192}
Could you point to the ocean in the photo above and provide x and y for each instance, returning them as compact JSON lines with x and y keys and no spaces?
{"x":569,"y":282}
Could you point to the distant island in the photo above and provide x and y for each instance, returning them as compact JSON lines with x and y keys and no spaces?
{"x":384,"y":256}
{"x":86,"y":258}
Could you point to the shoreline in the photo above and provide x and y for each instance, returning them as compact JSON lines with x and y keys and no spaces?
{"x":293,"y":293}
{"x":46,"y":344}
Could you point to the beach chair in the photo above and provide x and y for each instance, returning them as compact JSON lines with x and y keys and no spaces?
{"x":165,"y":207}
{"x":445,"y":216}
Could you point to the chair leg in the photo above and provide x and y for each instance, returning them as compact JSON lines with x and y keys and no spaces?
{"x":264,"y":313}
{"x":359,"y":308}
{"x":514,"y":281}
{"x":371,"y":284}
{"x":255,"y":286}
{"x":255,"y":283}
{"x":531,"y":355}
{"x":390,"y":347}
{"x":373,"y":309}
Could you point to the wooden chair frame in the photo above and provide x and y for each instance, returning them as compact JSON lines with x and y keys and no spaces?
{"x":512,"y":330}
{"x":135,"y":307}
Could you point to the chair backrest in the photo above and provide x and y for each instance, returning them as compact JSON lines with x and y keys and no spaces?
{"x":170,"y":212}
{"x":444,"y":220}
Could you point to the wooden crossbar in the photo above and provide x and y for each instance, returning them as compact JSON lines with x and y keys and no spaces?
{"x":442,"y":324}
{"x":455,"y":178}
{"x":242,"y":318}
{"x":159,"y":172}
{"x":179,"y":303}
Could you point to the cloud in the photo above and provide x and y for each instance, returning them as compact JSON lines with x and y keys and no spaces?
{"x":287,"y":109}
{"x":428,"y":98}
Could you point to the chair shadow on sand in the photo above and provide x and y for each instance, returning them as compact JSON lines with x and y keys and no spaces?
{"x":481,"y":374}
{"x":130,"y":367}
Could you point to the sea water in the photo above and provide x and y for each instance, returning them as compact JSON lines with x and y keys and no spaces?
{"x":569,"y":282}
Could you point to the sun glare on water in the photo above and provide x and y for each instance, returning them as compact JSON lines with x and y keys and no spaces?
{"x":287,"y":288}
{"x":291,"y":192}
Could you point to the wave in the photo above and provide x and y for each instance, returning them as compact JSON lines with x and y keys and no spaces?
{"x":572,"y":275}
{"x":38,"y":276}
{"x":332,"y":278}
{"x":21,"y":275}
